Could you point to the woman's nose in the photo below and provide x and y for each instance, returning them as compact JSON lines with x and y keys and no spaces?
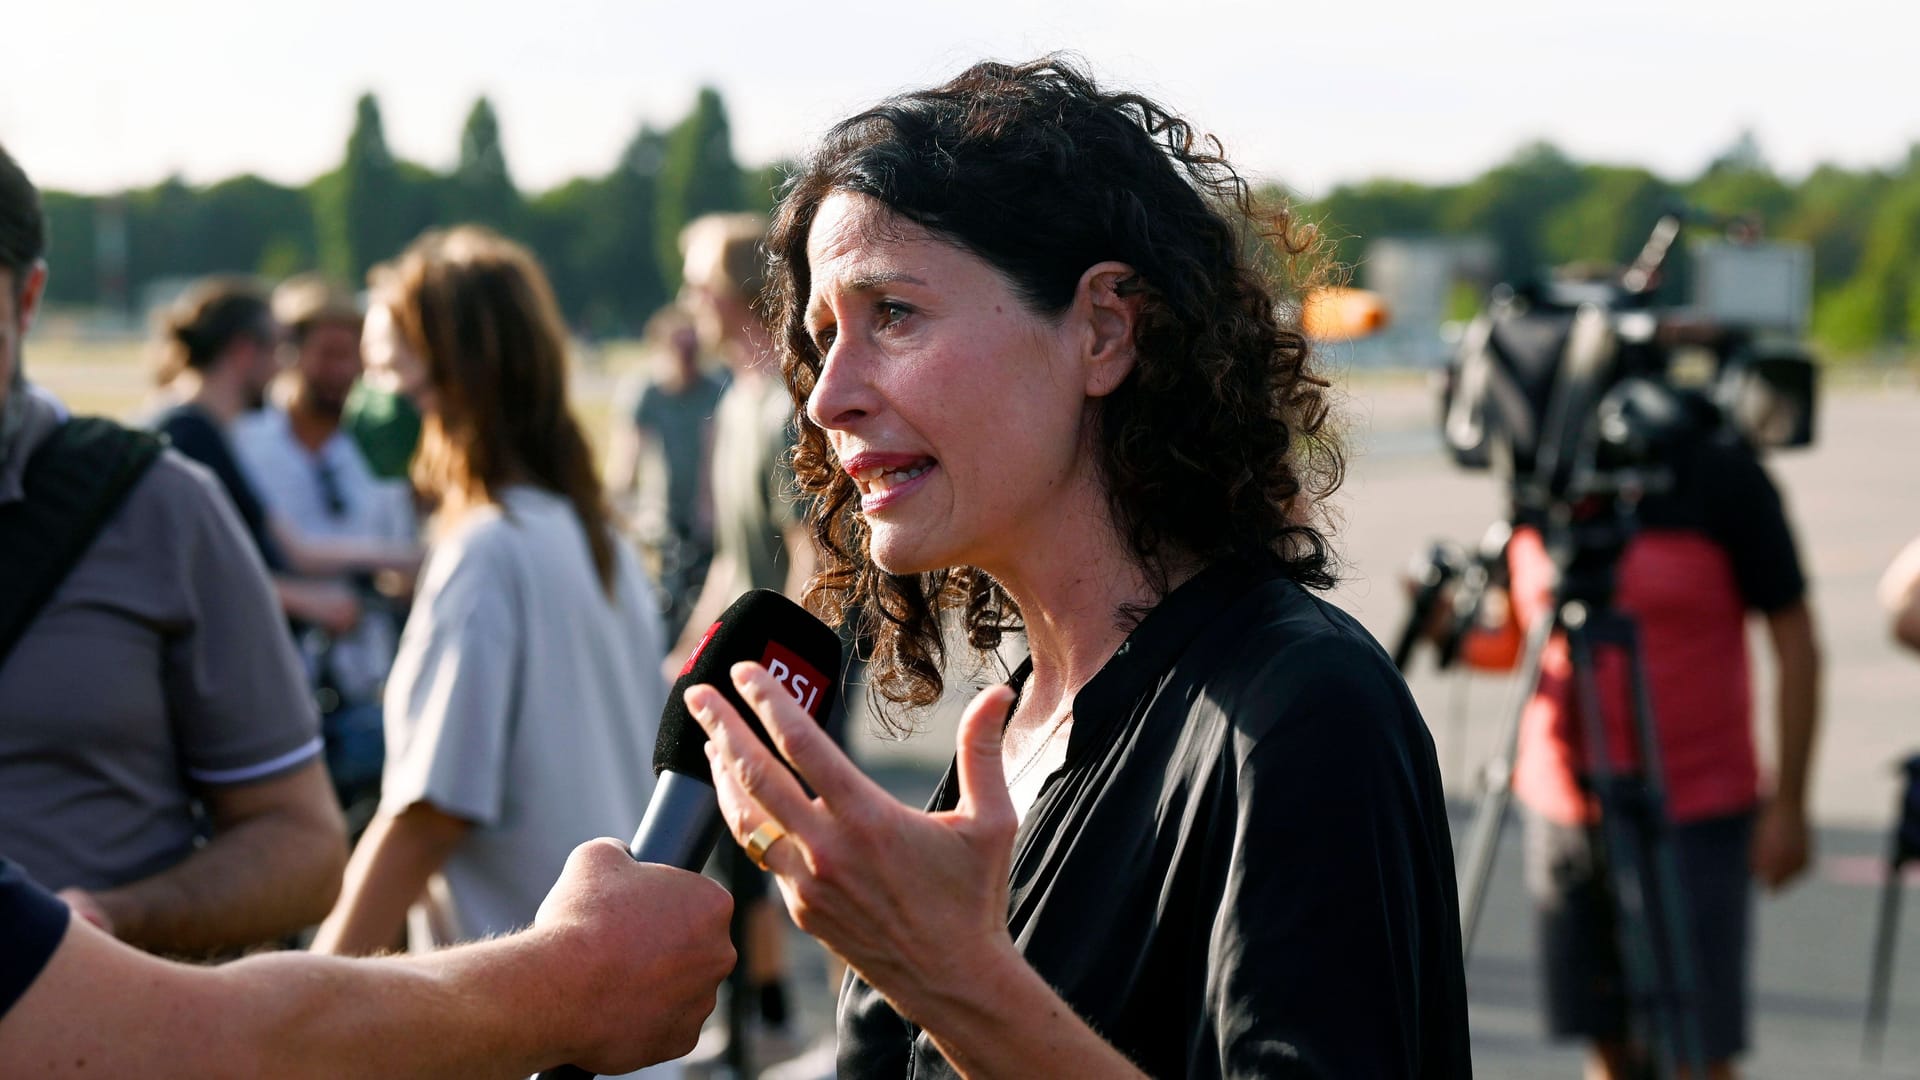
{"x":842,"y":393}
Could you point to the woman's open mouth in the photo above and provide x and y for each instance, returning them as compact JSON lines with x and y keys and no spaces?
{"x":885,"y":480}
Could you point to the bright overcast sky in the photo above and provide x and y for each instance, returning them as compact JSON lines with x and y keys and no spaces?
{"x":98,"y":94}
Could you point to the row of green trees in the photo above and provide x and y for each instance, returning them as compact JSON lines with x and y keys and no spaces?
{"x":609,"y":241}
{"x":1544,"y":209}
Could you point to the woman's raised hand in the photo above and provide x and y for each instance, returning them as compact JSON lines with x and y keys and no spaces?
{"x":915,"y":902}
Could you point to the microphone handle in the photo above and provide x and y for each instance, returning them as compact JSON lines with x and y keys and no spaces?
{"x":681,"y":825}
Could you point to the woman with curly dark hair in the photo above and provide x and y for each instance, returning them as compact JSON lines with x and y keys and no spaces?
{"x":1046,"y":386}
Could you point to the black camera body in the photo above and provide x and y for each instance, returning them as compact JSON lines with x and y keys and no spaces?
{"x":1572,"y":389}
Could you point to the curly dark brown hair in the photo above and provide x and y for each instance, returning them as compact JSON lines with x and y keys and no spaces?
{"x":1215,"y":447}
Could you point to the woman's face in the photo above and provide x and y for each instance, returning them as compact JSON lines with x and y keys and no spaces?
{"x":391,"y":362}
{"x":258,"y":356}
{"x":961,"y":415}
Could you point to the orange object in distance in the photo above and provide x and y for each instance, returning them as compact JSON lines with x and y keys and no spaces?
{"x":1338,"y":314}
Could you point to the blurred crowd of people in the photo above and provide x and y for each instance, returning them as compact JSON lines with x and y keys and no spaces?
{"x":368,"y":588}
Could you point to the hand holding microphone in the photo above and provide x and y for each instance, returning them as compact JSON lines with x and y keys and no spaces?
{"x":797,"y":654}
{"x":631,"y":957}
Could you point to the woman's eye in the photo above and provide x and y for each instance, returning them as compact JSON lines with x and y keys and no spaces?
{"x":891,"y":312}
{"x":823,"y":340}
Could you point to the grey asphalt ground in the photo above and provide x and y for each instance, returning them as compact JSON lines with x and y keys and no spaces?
{"x":1856,"y":501}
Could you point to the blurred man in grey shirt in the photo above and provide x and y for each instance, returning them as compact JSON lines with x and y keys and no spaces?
{"x":156,"y":674}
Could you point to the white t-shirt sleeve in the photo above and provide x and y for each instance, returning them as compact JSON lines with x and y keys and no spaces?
{"x":451,"y":697}
{"x":259,"y":459}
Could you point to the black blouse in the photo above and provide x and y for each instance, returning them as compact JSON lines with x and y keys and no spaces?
{"x":1243,"y":866}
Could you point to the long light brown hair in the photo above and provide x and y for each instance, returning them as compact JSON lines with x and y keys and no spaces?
{"x":477,"y":309}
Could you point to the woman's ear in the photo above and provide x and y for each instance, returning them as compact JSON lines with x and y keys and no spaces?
{"x":1108,"y":303}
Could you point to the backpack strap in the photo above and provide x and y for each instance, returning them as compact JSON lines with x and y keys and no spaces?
{"x":74,"y":481}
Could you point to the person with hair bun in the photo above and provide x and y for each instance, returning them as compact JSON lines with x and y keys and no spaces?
{"x":217,"y":349}
{"x":1047,"y":385}
{"x":527,"y":691}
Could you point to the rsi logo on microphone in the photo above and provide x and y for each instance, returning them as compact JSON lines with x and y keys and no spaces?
{"x":800,"y":678}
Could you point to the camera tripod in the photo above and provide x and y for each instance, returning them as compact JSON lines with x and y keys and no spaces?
{"x":1903,"y":848}
{"x":1632,"y":843}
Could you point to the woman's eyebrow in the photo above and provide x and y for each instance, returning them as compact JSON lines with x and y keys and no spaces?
{"x":881,"y":279}
{"x":864,"y":283}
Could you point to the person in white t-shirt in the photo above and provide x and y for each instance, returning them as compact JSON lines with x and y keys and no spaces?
{"x":311,"y":475}
{"x":522,"y":708}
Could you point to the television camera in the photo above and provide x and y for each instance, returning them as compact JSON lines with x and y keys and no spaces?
{"x":1575,"y":390}
{"x":1580,"y":392}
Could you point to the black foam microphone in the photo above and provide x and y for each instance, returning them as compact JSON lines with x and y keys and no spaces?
{"x":683,"y":819}
{"x":682,"y":822}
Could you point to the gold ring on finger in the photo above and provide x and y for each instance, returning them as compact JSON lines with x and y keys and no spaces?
{"x":764,"y":836}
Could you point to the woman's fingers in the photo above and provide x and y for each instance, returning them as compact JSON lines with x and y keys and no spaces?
{"x":846,"y":860}
{"x":982,"y":776}
{"x":800,"y":739}
{"x":762,"y":777}
{"x":743,"y":815}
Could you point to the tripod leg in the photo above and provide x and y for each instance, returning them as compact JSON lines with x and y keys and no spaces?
{"x":1669,"y":901}
{"x":1619,"y":854}
{"x":1420,"y":612}
{"x":1650,"y":911}
{"x":1496,"y":792}
{"x":1888,"y":931}
{"x":1476,"y":866}
{"x":1417,"y":617}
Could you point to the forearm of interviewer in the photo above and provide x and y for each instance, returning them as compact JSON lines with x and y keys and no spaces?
{"x":618,"y":971}
{"x":100,"y":1008}
{"x":475,"y":1011}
